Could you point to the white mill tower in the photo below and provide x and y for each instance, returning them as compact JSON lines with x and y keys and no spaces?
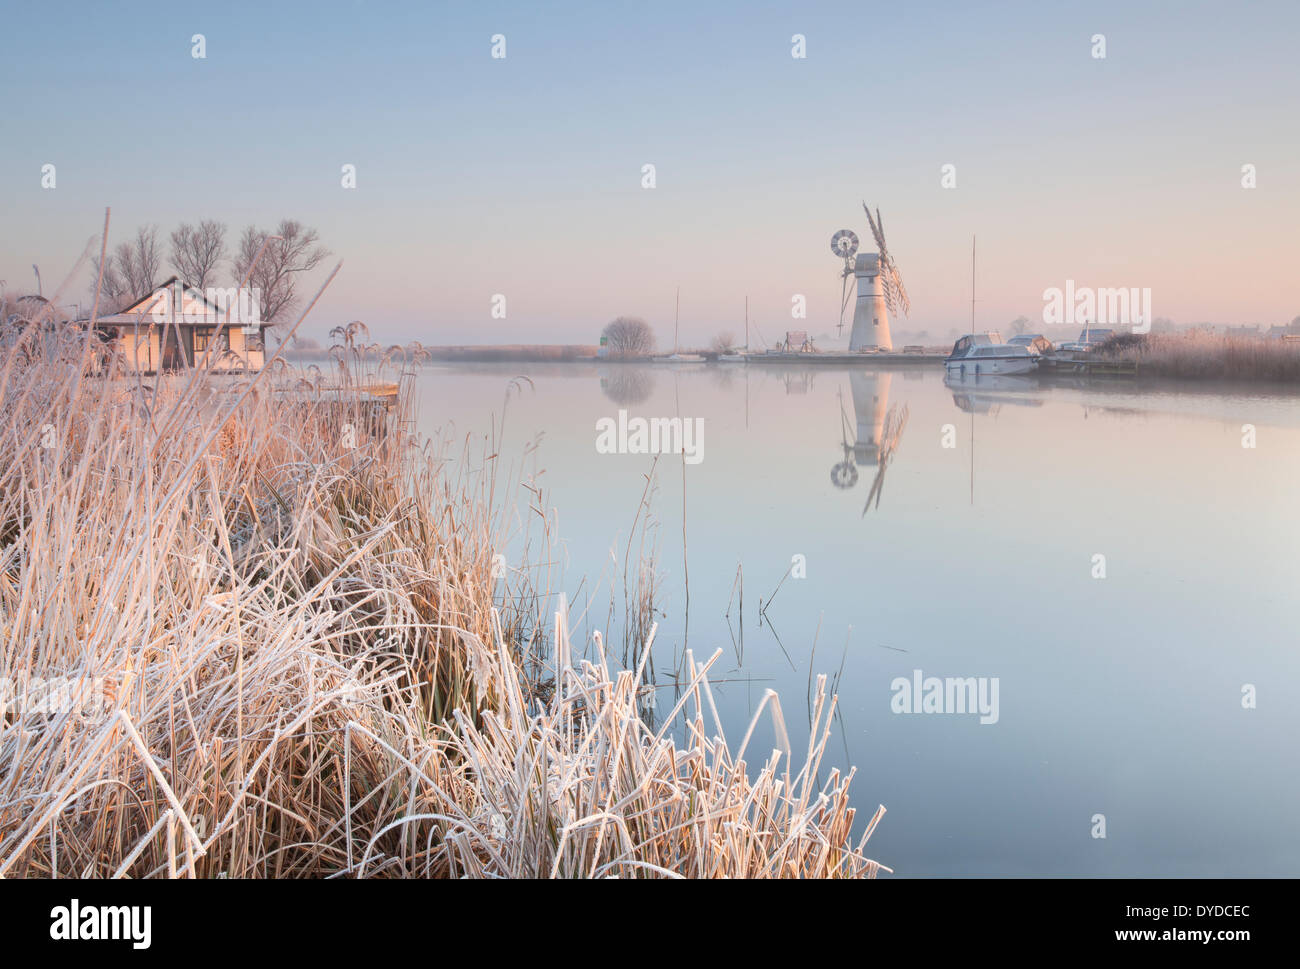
{"x":871,"y":314}
{"x":880,"y":287}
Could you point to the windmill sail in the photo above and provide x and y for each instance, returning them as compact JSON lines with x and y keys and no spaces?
{"x":892,"y":282}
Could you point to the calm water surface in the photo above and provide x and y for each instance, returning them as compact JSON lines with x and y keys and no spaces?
{"x":1118,"y":696}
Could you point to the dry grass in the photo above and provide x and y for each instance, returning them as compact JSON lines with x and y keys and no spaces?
{"x":309,"y":668}
{"x":1198,"y":355}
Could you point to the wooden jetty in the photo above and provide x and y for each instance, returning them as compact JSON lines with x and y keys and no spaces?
{"x":1069,"y":363}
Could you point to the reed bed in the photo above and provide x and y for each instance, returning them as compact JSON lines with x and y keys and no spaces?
{"x":488,"y":353}
{"x":253,"y":627}
{"x":1198,"y":355}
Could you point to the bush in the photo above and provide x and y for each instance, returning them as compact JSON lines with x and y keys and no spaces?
{"x":723,"y":342}
{"x":629,"y":336}
{"x":1122,"y":343}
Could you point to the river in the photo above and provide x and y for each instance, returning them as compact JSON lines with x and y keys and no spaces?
{"x":1115,"y":565}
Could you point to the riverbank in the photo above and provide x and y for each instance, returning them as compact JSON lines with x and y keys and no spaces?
{"x":1189,"y":356}
{"x":521,"y":352}
{"x":1205,"y":356}
{"x":259,"y":634}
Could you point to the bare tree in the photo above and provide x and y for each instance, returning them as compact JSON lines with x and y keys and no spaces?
{"x":113,"y":293}
{"x":723,"y":342}
{"x":140,"y":260}
{"x":132,"y":269}
{"x":629,"y":336}
{"x":197,"y":250}
{"x":275,"y":277}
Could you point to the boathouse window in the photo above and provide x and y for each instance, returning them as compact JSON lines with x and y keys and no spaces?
{"x":202,"y":338}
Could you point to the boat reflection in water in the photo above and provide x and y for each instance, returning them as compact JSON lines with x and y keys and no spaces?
{"x":876,"y":429}
{"x":985,"y":394}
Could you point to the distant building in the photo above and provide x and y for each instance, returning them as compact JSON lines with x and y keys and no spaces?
{"x":178,"y":326}
{"x":1244,"y":332}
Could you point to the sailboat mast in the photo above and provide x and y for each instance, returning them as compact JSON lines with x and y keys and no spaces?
{"x":676,"y":317}
{"x":746,"y":321}
{"x":972,"y":330}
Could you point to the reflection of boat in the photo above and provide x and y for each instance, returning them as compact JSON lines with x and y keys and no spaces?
{"x":985,"y":353}
{"x":981,"y":394}
{"x":877,"y":428}
{"x":998,"y":382}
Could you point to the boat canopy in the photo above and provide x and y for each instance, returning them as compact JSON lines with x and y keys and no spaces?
{"x":964,"y":344}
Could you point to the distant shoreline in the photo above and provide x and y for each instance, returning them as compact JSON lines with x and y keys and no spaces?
{"x":481,"y":353}
{"x":1191,"y":356}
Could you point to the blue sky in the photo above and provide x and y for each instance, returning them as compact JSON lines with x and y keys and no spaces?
{"x":522,"y":176}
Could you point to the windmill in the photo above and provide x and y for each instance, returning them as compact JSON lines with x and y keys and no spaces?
{"x":880,"y":287}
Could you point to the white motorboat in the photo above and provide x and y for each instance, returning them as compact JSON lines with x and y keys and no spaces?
{"x":680,"y":358}
{"x":984,"y":353}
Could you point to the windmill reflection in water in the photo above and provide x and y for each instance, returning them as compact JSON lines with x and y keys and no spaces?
{"x":871,"y":439}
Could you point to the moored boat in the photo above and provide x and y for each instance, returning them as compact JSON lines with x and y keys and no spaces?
{"x":985,"y":353}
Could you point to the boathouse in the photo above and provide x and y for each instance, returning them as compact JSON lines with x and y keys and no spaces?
{"x":178,"y":326}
